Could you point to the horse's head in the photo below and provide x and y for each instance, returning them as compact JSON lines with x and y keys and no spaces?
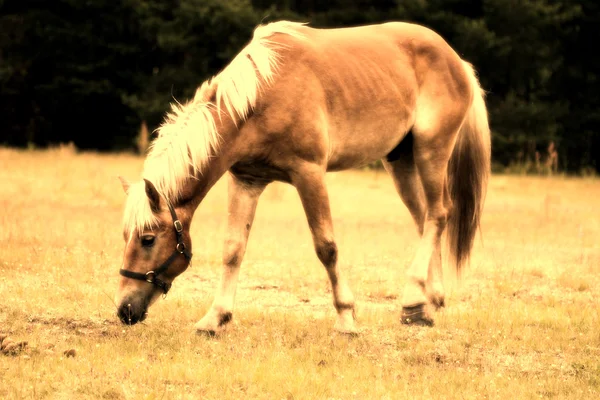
{"x":157,"y":249}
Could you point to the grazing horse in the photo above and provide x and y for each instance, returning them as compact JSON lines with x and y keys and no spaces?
{"x":298,"y":102}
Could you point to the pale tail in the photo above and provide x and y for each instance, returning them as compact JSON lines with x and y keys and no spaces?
{"x":468,"y":173}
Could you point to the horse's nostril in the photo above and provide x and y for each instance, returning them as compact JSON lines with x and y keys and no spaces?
{"x":130,"y":315}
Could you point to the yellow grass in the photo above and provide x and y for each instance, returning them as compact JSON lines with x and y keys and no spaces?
{"x":522,"y":323}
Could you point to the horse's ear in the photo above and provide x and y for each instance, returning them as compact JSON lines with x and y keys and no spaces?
{"x":125,"y":183}
{"x":153,"y":196}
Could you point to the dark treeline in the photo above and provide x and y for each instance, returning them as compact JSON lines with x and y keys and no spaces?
{"x":90,"y":71}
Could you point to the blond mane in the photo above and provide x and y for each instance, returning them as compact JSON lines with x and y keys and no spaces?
{"x":188,"y":137}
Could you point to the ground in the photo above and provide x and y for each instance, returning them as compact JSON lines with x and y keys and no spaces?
{"x":522,"y":322}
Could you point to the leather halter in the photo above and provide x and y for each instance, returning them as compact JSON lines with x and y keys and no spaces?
{"x":152,"y":276}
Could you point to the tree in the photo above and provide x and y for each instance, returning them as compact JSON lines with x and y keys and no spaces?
{"x":91,"y":71}
{"x":63,"y":77}
{"x":192,"y":40}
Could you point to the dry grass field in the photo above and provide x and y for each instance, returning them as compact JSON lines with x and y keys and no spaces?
{"x":523,"y":322}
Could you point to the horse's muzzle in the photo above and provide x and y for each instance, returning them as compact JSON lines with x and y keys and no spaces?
{"x":131,"y":311}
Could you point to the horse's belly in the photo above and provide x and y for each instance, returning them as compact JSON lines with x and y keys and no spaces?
{"x":254,"y":171}
{"x":358,"y":142}
{"x":367,"y":123}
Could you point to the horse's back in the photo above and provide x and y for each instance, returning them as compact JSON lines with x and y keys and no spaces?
{"x":385,"y":42}
{"x":359,"y":86}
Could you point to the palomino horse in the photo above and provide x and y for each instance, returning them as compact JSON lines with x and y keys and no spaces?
{"x":298,"y":102}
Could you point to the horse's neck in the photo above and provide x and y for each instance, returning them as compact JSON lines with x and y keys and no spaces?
{"x":197,"y":188}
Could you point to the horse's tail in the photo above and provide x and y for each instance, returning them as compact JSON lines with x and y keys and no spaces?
{"x":468,"y":173}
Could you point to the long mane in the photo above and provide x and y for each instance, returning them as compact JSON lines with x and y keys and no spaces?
{"x":188,"y":137}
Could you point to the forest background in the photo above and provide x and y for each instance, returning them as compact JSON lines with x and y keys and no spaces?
{"x":92,"y":72}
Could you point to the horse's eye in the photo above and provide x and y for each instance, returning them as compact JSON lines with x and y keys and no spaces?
{"x":148,"y":241}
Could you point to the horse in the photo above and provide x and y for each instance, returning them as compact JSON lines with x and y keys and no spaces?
{"x":295,"y":103}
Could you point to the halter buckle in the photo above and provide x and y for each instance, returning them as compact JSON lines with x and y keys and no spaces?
{"x":150,"y":275}
{"x":178,"y":226}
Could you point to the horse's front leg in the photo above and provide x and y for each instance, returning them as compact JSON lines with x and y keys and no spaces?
{"x":309,"y":180}
{"x":243,"y":198}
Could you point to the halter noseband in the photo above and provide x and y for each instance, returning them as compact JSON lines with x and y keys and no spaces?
{"x":151,"y":276}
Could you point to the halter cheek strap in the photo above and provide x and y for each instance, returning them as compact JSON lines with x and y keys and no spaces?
{"x":180,"y":248}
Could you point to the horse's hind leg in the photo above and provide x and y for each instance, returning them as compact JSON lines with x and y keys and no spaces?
{"x":243,"y":198}
{"x":400,"y":164}
{"x":309,"y":180}
{"x":433,"y":144}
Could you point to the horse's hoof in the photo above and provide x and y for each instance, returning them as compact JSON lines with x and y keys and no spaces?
{"x":350,"y":331}
{"x":416,"y":315}
{"x":210,"y":326}
{"x":211,"y":333}
{"x":349,"y":334}
{"x":345,"y":324}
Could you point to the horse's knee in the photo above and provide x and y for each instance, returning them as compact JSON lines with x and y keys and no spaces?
{"x":327,"y":252}
{"x":233,"y":252}
{"x":442,"y":219}
{"x":439,"y":219}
